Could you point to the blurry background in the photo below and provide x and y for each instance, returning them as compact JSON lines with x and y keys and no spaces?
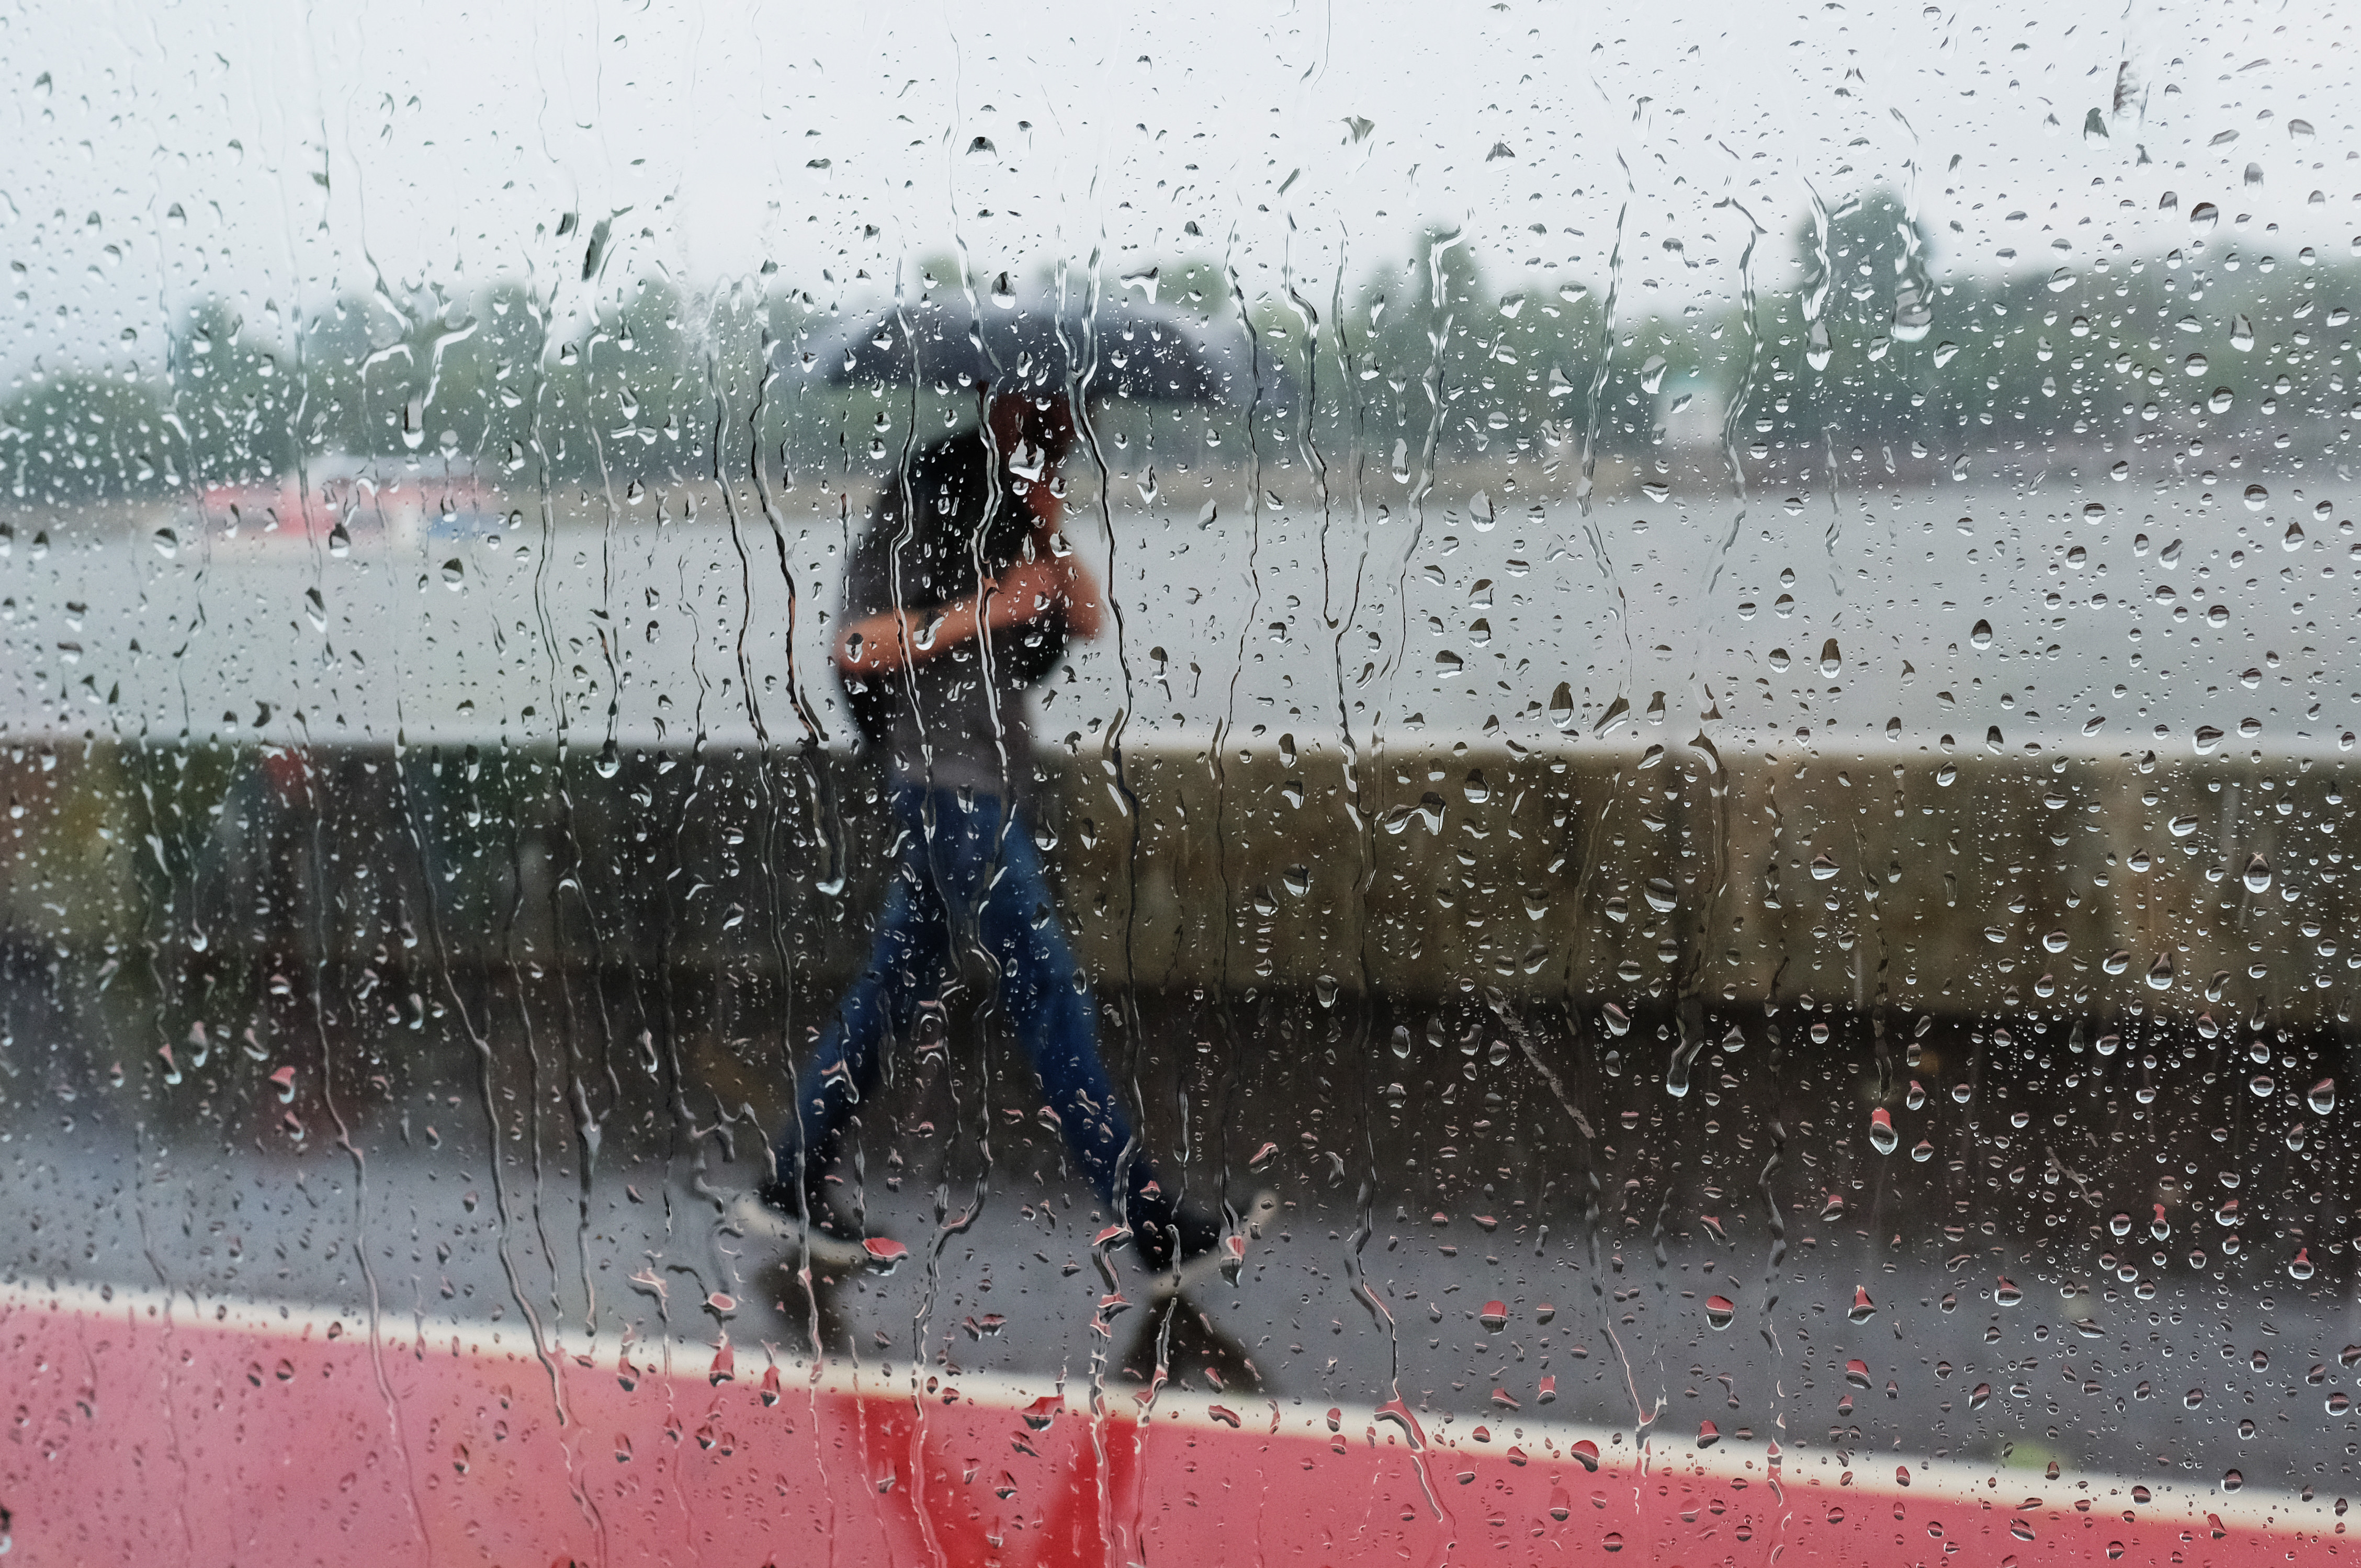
{"x":1751,"y":695}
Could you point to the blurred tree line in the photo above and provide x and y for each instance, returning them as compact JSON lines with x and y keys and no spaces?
{"x":1424,"y":361}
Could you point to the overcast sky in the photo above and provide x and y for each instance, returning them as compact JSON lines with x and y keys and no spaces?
{"x":287,"y":152}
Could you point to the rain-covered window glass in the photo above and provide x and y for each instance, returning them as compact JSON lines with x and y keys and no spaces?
{"x":1039,"y":785}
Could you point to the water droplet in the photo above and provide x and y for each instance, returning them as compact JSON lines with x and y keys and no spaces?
{"x":1818,"y":351}
{"x":1881,"y":1136}
{"x":2006,"y":1293}
{"x":1720,"y":1311}
{"x":2056,"y":941}
{"x":1945,"y":352}
{"x":1831,"y":660}
{"x":1981,"y":635}
{"x":1708,"y":1434}
{"x":2160,"y":973}
{"x":2259,"y":874}
{"x":1585,"y":1453}
{"x":609,"y":761}
{"x":1004,"y":293}
{"x":2116,"y":961}
{"x":2300,"y":1266}
{"x":1494,"y":1317}
{"x":1922,"y":1151}
{"x":1661,"y":895}
{"x":2294,"y":537}
{"x":1913,"y":314}
{"x":454,"y":574}
{"x":2232,"y":1480}
{"x":1823,"y":867}
{"x":1611,"y":1541}
{"x":2258,"y":497}
{"x":2323,"y":1097}
{"x":2204,"y":216}
{"x":2242,"y":333}
{"x":2195,"y":365}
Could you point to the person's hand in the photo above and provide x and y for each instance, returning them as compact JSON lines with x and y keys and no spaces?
{"x":1055,"y":579}
{"x":1019,"y":596}
{"x":1048,"y":509}
{"x":1074,"y":588}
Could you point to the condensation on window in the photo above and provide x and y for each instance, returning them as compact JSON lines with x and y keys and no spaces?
{"x":1026,"y":786}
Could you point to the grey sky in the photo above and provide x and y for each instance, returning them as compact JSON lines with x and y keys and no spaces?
{"x":313,"y":150}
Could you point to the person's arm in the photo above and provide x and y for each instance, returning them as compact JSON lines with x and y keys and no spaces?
{"x":1019,"y":596}
{"x":1077,"y":588}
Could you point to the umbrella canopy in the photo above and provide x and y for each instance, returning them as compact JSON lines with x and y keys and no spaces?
{"x":1125,"y":349}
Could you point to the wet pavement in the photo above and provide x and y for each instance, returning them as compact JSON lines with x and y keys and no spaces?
{"x":1741,"y":1254}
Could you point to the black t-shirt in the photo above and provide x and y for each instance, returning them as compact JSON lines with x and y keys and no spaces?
{"x":958,"y":718}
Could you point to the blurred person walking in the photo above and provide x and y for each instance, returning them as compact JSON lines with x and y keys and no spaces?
{"x":959,"y":598}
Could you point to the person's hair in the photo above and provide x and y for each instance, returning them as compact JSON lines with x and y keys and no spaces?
{"x":1044,"y":421}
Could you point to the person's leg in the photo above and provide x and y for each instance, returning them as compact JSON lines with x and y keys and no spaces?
{"x":913,"y":939}
{"x":1052,"y":1012}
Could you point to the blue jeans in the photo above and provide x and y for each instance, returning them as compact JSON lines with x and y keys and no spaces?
{"x":972,"y":874}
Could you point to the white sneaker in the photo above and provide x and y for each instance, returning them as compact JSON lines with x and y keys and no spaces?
{"x":748,"y":1215}
{"x":1227,"y":1259}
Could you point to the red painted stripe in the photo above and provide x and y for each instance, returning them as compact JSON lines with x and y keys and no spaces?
{"x":236,"y":1433}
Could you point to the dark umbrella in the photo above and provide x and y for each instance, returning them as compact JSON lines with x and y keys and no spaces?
{"x":1125,"y":349}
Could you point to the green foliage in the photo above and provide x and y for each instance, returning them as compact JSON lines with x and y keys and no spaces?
{"x":1423,"y":355}
{"x":77,"y":437}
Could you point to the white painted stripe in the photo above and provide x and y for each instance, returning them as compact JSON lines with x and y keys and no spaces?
{"x":1449,"y":1436}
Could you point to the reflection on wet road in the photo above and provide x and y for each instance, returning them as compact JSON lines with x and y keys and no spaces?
{"x":1723,"y":1264}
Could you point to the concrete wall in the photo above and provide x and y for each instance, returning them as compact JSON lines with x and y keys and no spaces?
{"x":1608,"y":872}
